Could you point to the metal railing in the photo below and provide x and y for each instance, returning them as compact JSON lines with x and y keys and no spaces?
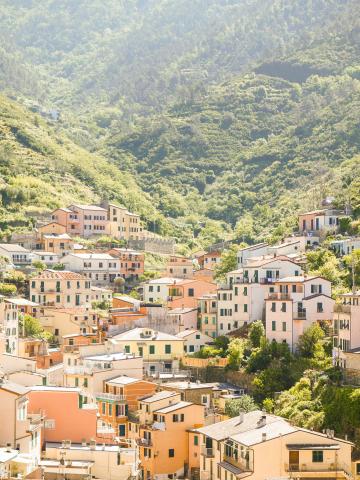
{"x":300,"y":315}
{"x":279,"y":296}
{"x":207,"y":452}
{"x":110,"y":396}
{"x":306,"y":467}
{"x":342,"y":308}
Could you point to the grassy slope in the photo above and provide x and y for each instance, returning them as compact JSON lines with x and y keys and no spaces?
{"x":40,"y":170}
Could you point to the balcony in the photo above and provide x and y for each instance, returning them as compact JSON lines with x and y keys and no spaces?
{"x":78,"y":371}
{"x":334,"y":470}
{"x":110,"y":396}
{"x":242,"y":464}
{"x":133,"y":417}
{"x":144,"y":442}
{"x":300,"y":315}
{"x":207,"y":452}
{"x":279,"y":296}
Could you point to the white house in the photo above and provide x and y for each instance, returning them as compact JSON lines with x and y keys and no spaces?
{"x":194,"y":340}
{"x":49,"y":258}
{"x":101,"y":268}
{"x":16,"y":254}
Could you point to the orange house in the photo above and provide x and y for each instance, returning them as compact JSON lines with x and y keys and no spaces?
{"x":65,"y":417}
{"x":120,"y":396}
{"x":52,"y":228}
{"x":209,"y":260}
{"x":185,"y":293}
{"x":131,"y":262}
{"x":164,"y":441}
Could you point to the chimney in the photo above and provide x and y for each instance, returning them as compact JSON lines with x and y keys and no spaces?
{"x":263,"y":437}
{"x":241,"y":417}
{"x":8,"y":447}
{"x":262,"y":421}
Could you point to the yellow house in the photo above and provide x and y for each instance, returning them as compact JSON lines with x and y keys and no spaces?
{"x":160,"y":351}
{"x":260,"y":446}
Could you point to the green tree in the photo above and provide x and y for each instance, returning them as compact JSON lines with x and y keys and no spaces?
{"x":7,"y":289}
{"x":243,"y":404}
{"x":256,"y":333}
{"x":39,"y":265}
{"x":228,"y":262}
{"x":309,"y":341}
{"x":236,"y":352}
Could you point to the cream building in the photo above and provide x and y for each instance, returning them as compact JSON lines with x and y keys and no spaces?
{"x":60,"y":288}
{"x":260,"y":446}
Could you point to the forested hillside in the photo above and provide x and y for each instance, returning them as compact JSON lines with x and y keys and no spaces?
{"x":41,"y":170}
{"x":228,"y":114}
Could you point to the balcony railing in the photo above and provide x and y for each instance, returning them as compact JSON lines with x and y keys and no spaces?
{"x":144,"y":442}
{"x":305,"y":467}
{"x":207,"y":452}
{"x":300,"y":315}
{"x":240,"y":463}
{"x":279,"y":296}
{"x":110,"y":396}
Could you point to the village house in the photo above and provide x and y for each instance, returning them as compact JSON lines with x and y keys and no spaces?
{"x":297,"y":303}
{"x":237,"y":448}
{"x":160,"y":351}
{"x":161,"y":431}
{"x":89,"y":460}
{"x":16,"y":254}
{"x":65,"y":321}
{"x":209,"y":260}
{"x":241,"y":300}
{"x":100,"y":268}
{"x":131,"y":262}
{"x":179,"y":267}
{"x":345,"y":246}
{"x":183,"y":318}
{"x":119,"y":396}
{"x":207,"y":306}
{"x":194,"y":340}
{"x":48,"y":258}
{"x":101,"y":294}
{"x":185,"y":293}
{"x":19,"y":429}
{"x":124,"y":224}
{"x":9,"y":319}
{"x":88,"y":366}
{"x":60,"y":288}
{"x":320,"y":221}
{"x":58,"y":405}
{"x":346,"y":327}
{"x":83,"y":220}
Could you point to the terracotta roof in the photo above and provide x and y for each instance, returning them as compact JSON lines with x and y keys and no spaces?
{"x":49,"y":274}
{"x":89,"y":207}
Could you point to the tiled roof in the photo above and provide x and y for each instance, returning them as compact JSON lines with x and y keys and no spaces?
{"x":137,"y":334}
{"x":13,"y":247}
{"x":89,"y":207}
{"x":159,"y":396}
{"x":49,"y":274}
{"x":175,"y":406}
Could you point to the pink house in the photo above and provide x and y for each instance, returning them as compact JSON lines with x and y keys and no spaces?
{"x":297,"y":303}
{"x":83,"y":220}
{"x":65,"y":415}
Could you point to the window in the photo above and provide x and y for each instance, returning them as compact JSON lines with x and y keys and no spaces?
{"x":273,"y":326}
{"x":57,"y":298}
{"x":358,"y":469}
{"x":283,"y":307}
{"x":293,"y":288}
{"x":245,"y":307}
{"x":151,"y":349}
{"x":191,"y":348}
{"x":273,"y":307}
{"x":190,"y":292}
{"x":56,"y":332}
{"x":110,"y":410}
{"x":76,"y":382}
{"x":171,"y":453}
{"x":245,"y":292}
{"x":122,"y":430}
{"x":196,"y":442}
{"x":168,"y":349}
{"x":85,"y":382}
{"x":320,"y":307}
{"x":284,"y":326}
{"x":317,"y":456}
{"x":127,"y":348}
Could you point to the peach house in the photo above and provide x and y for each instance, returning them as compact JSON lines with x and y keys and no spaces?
{"x":183,"y":318}
{"x":131,"y":262}
{"x":346,"y":325}
{"x":58,"y":405}
{"x":185,"y":293}
{"x":60,"y":288}
{"x":179,"y":267}
{"x":161,"y":431}
{"x":209,"y":260}
{"x":318,"y":220}
{"x":119,"y":396}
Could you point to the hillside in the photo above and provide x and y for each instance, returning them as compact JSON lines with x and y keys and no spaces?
{"x":208,"y":111}
{"x":41,"y":170}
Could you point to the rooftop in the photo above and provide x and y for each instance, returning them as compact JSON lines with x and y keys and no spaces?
{"x":159,"y":396}
{"x":49,"y":274}
{"x":92,"y":256}
{"x":14,"y":388}
{"x":139,"y":334}
{"x":181,"y":310}
{"x":110,"y":357}
{"x":175,"y":406}
{"x":13,"y":247}
{"x":123,"y":380}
